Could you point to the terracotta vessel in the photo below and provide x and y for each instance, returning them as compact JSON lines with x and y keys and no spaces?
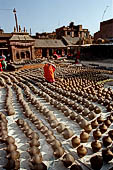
{"x":107,"y":155}
{"x":75,"y":141}
{"x":60,"y":127}
{"x":107,"y":141}
{"x":76,"y":167}
{"x":68,"y":160}
{"x":96,"y":146}
{"x":96,"y":162}
{"x":100,"y":119}
{"x":34,"y":150}
{"x":58,"y":152}
{"x":81,"y":151}
{"x":94,"y":124}
{"x":111,"y":134}
{"x":97,"y":134}
{"x":88,"y":128}
{"x":67,"y":133}
{"x":84,"y":136}
{"x":103,"y":128}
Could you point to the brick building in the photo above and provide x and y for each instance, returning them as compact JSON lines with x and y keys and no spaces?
{"x":106,"y":30}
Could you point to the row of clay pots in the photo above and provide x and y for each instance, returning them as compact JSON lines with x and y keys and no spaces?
{"x":36,"y":160}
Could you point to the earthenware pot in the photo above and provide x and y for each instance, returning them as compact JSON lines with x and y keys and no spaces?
{"x":84,"y":136}
{"x":96,"y":146}
{"x":81,"y":151}
{"x":97,"y":134}
{"x":68,"y":160}
{"x":96,"y":162}
{"x":75,"y":141}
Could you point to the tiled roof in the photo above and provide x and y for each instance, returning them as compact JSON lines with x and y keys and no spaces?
{"x":71,"y":40}
{"x":49,"y":43}
{"x":24,"y":37}
{"x":5,"y":35}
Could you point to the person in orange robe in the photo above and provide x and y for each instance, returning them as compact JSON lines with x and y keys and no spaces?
{"x":49,"y":70}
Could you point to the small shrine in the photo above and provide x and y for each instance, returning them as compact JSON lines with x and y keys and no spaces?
{"x":21,"y":46}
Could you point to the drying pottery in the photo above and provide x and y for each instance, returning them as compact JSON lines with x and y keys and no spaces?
{"x":88,"y":128}
{"x":100,"y":119}
{"x":55,"y":144}
{"x":96,"y":162}
{"x":96,"y":146}
{"x":34,"y":142}
{"x":107,"y":155}
{"x":97,"y":134}
{"x":38,"y":166}
{"x":60,"y":127}
{"x":107,"y":122}
{"x":84,"y":136}
{"x":103,"y":128}
{"x":81,"y":151}
{"x":107,"y":141}
{"x":34,"y":150}
{"x":94,"y":124}
{"x":67,"y":133}
{"x":68,"y":160}
{"x":91,"y":115}
{"x":111,"y":134}
{"x":76,"y":167}
{"x":75,"y":141}
{"x":12,"y":164}
{"x":58,"y":152}
{"x":10,"y":140}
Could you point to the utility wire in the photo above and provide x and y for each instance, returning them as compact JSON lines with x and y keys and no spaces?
{"x":104,"y":12}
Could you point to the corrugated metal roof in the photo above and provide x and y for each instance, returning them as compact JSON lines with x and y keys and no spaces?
{"x":49,"y":43}
{"x":17,"y":37}
{"x":71,"y":40}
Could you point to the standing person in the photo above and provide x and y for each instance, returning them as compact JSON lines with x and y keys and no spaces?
{"x":49,"y":70}
{"x":77,"y":57}
{"x":3,"y":62}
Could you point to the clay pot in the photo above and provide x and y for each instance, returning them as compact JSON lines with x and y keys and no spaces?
{"x":96,"y":146}
{"x":28,"y":132}
{"x":60,"y":127}
{"x":37,"y":158}
{"x":73,"y":116}
{"x":38,"y":166}
{"x":111,"y":134}
{"x":34,"y":150}
{"x":84,"y":136}
{"x":81,"y":151}
{"x":67,"y":133}
{"x":20,"y":122}
{"x":34,"y":135}
{"x":55,"y":144}
{"x":34,"y":142}
{"x":10,"y":140}
{"x":97,"y":134}
{"x":85,"y":112}
{"x":91,"y":115}
{"x":48,"y":133}
{"x":107,"y":122}
{"x":44,"y":129}
{"x":106,"y":141}
{"x":107,"y":155}
{"x":96,"y":162}
{"x":58,"y":152}
{"x":88,"y":128}
{"x":68,"y":160}
{"x":75,"y":141}
{"x":11,"y":147}
{"x":13,"y":155}
{"x":100,"y":119}
{"x":103,"y":128}
{"x":97,"y":110}
{"x":50,"y":138}
{"x":12,"y":164}
{"x":76,"y":167}
{"x":79,"y":118}
{"x":54,"y":123}
{"x":94,"y":124}
{"x":83,"y":123}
